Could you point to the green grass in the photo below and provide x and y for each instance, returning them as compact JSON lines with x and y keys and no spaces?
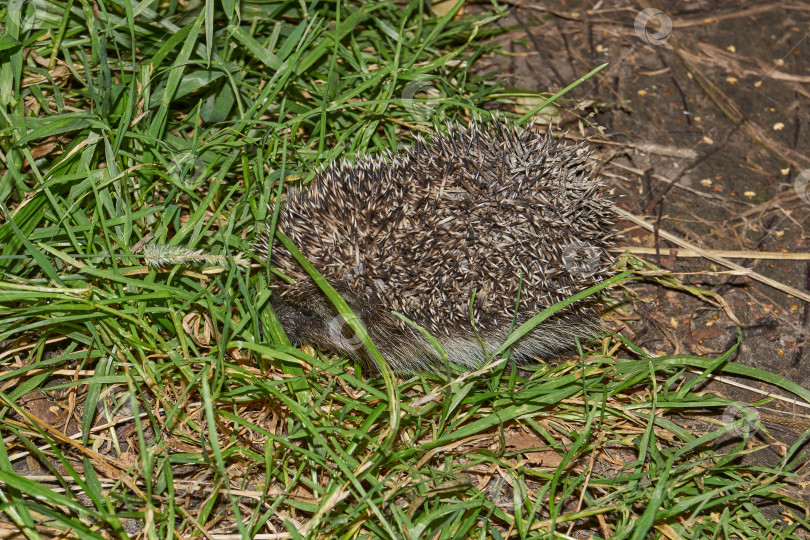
{"x":125,"y":124}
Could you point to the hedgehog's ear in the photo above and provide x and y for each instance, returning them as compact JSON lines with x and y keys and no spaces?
{"x":348,"y":295}
{"x":355,"y":304}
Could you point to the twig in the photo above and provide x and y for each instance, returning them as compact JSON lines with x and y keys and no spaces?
{"x":714,"y":258}
{"x":727,"y":253}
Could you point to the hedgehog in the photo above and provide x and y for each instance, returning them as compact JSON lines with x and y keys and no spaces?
{"x":467,"y":233}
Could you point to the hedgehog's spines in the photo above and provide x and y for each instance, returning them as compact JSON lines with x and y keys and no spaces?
{"x":416,"y":232}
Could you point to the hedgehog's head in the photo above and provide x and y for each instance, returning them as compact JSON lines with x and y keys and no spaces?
{"x":309,"y":317}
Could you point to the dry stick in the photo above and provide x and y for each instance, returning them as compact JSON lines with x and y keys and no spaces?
{"x":727,"y":253}
{"x":738,"y":384}
{"x":712,"y":257}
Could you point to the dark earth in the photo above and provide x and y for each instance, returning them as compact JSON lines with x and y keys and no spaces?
{"x":701,"y":121}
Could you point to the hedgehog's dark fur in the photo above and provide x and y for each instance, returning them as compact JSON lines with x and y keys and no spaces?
{"x":496,"y":209}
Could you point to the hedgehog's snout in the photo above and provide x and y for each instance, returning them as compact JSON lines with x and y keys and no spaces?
{"x":294,"y":319}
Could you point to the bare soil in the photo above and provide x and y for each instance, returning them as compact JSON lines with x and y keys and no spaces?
{"x":701,"y":121}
